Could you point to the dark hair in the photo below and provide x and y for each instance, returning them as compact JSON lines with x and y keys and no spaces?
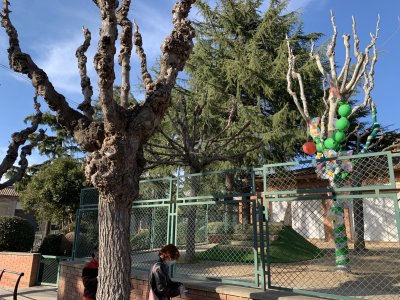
{"x":95,"y":249}
{"x":169,"y":252}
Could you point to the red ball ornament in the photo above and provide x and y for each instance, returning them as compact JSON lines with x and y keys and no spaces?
{"x":309,"y":148}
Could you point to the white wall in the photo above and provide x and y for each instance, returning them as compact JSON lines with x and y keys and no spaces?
{"x":307,"y":218}
{"x":7,"y":206}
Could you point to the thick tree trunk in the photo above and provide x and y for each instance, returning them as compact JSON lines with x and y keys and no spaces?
{"x":191,"y":233}
{"x":358,"y":211}
{"x":114,"y":236}
{"x":229,"y":207}
{"x":192,"y":220}
{"x":47,"y":227}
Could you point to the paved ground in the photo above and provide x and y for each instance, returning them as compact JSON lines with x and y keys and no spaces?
{"x":32,"y":293}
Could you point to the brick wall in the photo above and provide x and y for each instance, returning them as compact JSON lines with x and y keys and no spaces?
{"x":70,"y":287}
{"x":28,"y":263}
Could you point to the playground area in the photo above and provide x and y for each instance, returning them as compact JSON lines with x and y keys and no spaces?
{"x":272,"y":229}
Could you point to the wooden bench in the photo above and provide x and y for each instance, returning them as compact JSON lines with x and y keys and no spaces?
{"x":19,"y":274}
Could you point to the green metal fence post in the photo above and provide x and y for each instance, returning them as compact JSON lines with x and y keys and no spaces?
{"x":262,"y":238}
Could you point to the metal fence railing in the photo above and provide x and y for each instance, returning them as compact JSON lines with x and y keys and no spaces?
{"x":291,"y":226}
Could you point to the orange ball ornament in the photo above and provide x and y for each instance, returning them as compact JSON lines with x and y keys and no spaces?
{"x":309,"y":148}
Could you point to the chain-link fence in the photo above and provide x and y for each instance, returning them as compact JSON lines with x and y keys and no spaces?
{"x":218,"y":240}
{"x":219,"y":184}
{"x":307,"y":263}
{"x":49,"y":268}
{"x":343,"y":174}
{"x":149,"y":232}
{"x":87,"y":232}
{"x":328,"y":227}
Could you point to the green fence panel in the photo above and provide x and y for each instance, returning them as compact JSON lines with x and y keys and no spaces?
{"x":49,"y":269}
{"x":270,"y":226}
{"x":307,"y":263}
{"x":218,"y":241}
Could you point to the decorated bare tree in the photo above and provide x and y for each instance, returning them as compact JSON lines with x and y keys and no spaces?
{"x":330,"y":134}
{"x":116,"y":159}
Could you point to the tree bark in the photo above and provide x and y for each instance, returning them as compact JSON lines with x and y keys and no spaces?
{"x":114,"y":237}
{"x":358,"y":214}
{"x":229,"y":178}
{"x":47,"y":227}
{"x":192,"y":219}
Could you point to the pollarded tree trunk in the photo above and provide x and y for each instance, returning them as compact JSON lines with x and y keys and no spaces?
{"x":114,"y":237}
{"x":192,"y":218}
{"x":118,"y":187}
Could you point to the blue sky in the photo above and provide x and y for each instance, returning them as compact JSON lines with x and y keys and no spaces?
{"x":50,"y":31}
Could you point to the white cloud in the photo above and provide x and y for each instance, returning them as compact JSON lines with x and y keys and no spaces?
{"x":57,"y":59}
{"x":296,"y":5}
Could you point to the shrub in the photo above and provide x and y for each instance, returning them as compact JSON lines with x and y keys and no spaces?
{"x":51,"y":245}
{"x":57,"y":244}
{"x":16,"y":234}
{"x":140,"y":240}
{"x":219,"y":228}
{"x":243,"y":229}
{"x":85,"y":243}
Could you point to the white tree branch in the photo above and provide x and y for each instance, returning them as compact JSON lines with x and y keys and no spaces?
{"x":291,"y":73}
{"x":330,"y":53}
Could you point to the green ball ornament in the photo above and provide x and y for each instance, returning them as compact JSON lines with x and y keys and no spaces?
{"x":344,"y":110}
{"x":316,"y":139}
{"x":342,"y":124}
{"x":330,"y":143}
{"x":344,"y":175}
{"x":339,"y":136}
{"x":320,"y":148}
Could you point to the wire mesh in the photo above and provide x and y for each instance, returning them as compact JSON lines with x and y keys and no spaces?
{"x":149,"y":232}
{"x":89,"y":197}
{"x":215,"y":184}
{"x":88,"y":234}
{"x":343,"y":173}
{"x":217,"y":240}
{"x":158,"y":189}
{"x":307,"y":262}
{"x":48,"y":269}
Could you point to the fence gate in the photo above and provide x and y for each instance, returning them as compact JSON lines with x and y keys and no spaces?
{"x":49,"y":269}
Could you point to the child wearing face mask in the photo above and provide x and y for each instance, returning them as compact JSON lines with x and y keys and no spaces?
{"x":160,"y":286}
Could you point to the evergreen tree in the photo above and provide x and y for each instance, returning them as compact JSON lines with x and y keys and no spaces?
{"x":240,"y":59}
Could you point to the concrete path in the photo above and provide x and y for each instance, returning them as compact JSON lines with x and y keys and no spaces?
{"x":32,"y":293}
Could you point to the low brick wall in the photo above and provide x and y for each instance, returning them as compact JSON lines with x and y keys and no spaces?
{"x":19,"y":262}
{"x":70,"y":287}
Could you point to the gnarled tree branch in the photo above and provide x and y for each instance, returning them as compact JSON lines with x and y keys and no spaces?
{"x":87,"y":90}
{"x":18,"y":139}
{"x":88,"y":135}
{"x":146,"y":77}
{"x":104,"y":65}
{"x":126,"y":50}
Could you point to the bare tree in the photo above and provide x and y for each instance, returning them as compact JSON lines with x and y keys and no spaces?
{"x":338,"y":88}
{"x":116,"y":159}
{"x":196,"y":144}
{"x":17,"y":140}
